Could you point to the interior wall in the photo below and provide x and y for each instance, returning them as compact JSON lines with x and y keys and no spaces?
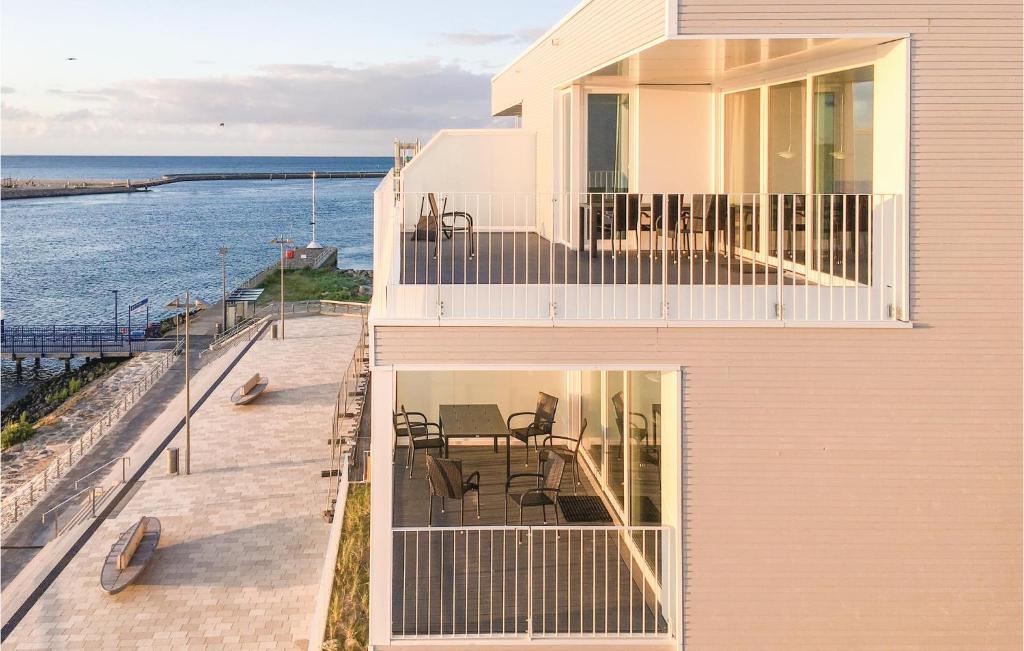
{"x":674,"y":139}
{"x":512,"y":391}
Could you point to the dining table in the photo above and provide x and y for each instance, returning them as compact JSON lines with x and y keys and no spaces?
{"x":476,"y":421}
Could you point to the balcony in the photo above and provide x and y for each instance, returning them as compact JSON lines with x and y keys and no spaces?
{"x":669,"y":259}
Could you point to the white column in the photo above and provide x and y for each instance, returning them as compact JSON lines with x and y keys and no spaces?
{"x":382,"y":389}
{"x":672,"y":504}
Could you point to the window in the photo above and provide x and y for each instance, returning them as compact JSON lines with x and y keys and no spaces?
{"x":608,"y":142}
{"x":742,"y":141}
{"x":786,"y":121}
{"x":844,"y":131}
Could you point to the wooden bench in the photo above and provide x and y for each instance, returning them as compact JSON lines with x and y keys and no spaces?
{"x":249,"y":391}
{"x":130,"y":555}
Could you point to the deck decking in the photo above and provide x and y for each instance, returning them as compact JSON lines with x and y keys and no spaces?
{"x":528,"y":258}
{"x":487,"y":580}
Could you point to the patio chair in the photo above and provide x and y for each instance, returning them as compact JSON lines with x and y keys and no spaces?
{"x":434,"y":219}
{"x":548,"y":483}
{"x":418,"y":422}
{"x":543,"y":418}
{"x":423,"y":436}
{"x":626,"y":217}
{"x":639,"y":429}
{"x":570,"y":453}
{"x":667,"y":220}
{"x":445,"y":478}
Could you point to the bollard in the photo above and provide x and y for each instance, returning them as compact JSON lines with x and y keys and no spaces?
{"x":172,"y":461}
{"x":273,"y":331}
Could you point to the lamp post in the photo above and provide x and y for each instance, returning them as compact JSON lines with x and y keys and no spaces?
{"x":223,"y":251}
{"x":188,"y":305}
{"x":281,"y":241}
{"x":115,"y":311}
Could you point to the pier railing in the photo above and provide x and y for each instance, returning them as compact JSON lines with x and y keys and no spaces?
{"x":63,"y":339}
{"x":23,"y":498}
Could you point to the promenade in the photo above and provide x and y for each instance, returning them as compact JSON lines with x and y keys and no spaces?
{"x":239,"y":560}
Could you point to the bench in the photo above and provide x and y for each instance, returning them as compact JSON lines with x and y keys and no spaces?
{"x":249,"y":391}
{"x":130,"y":555}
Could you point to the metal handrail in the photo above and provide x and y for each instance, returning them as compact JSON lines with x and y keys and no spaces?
{"x":56,"y":530}
{"x":123,"y":461}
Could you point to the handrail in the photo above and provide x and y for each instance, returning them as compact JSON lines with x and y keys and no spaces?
{"x":24,"y":497}
{"x":123,"y":461}
{"x":92,"y":489}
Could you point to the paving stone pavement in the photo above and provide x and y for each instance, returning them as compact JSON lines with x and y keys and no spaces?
{"x":243,"y":540}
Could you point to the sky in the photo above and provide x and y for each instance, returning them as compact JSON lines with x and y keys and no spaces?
{"x":337,"y":78}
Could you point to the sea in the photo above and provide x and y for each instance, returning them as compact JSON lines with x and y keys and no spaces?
{"x":60,"y":258}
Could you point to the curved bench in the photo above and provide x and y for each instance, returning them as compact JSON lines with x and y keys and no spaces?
{"x":251,"y":390}
{"x":130,"y":555}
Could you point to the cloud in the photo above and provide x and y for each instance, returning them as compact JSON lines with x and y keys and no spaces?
{"x":274,"y":107}
{"x":6,"y":90}
{"x":474,"y":38}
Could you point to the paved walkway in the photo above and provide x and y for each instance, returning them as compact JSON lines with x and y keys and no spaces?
{"x":243,"y":540}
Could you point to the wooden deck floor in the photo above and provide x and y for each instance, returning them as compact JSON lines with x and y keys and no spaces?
{"x":528,"y":258}
{"x":485,"y":580}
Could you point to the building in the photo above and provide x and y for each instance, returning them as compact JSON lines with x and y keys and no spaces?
{"x":770,"y":253}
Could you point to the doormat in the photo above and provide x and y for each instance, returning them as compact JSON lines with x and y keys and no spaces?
{"x":583,"y":508}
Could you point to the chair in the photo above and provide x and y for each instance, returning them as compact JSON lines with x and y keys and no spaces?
{"x":626,"y":217}
{"x":570,"y":454}
{"x":639,"y":430}
{"x":445,"y":478}
{"x":714,"y":209}
{"x":544,"y":493}
{"x":667,"y":219}
{"x":423,"y":436}
{"x":418,"y":421}
{"x":433,"y":219}
{"x":543,"y":419}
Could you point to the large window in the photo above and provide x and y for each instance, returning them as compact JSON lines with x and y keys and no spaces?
{"x":844,"y":131}
{"x":786,"y":121}
{"x":608,"y":142}
{"x":742,"y":141}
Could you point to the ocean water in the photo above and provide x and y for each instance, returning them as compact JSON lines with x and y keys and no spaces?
{"x":60,"y":257}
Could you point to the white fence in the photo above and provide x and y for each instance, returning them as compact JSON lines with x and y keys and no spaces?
{"x":530,"y":582}
{"x":665,"y":258}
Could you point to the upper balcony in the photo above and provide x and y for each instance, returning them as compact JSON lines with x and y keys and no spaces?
{"x":682,"y":185}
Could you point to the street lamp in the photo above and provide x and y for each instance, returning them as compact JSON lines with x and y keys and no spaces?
{"x":188,"y":305}
{"x":223,"y":251}
{"x":281,"y":241}
{"x":115,"y":310}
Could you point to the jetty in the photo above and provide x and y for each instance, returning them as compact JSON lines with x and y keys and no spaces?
{"x":34,"y":189}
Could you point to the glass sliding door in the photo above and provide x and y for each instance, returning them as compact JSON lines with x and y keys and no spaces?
{"x":741,"y":139}
{"x":843,"y":171}
{"x":608,"y":142}
{"x":786,"y":171}
{"x":590,"y":408}
{"x":615,"y":474}
{"x":644,"y":447}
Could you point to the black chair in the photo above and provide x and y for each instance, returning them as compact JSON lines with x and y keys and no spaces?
{"x":626,"y":217}
{"x":417,"y":421}
{"x":713,"y":210}
{"x":423,"y":436}
{"x":543,"y":418}
{"x":570,"y":453}
{"x":445,"y":478}
{"x":548,"y":483}
{"x":638,"y":429}
{"x":669,"y":220}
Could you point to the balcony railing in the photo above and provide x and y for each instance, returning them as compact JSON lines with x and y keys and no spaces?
{"x":530,"y":582}
{"x":661,"y":258}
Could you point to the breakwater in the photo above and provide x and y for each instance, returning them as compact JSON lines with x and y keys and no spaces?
{"x":18,"y":189}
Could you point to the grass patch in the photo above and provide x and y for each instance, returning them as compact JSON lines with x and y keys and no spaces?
{"x":349,"y":615}
{"x":315,"y":284}
{"x":16,"y":432}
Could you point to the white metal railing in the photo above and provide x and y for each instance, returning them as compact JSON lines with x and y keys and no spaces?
{"x":348,"y":449}
{"x":24,"y":497}
{"x":530,"y":582}
{"x":664,"y":258}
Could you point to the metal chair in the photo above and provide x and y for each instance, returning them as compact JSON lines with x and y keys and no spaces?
{"x":418,"y":421}
{"x":445,"y":478}
{"x":543,"y":419}
{"x":544,"y":493}
{"x":570,"y":453}
{"x":423,"y":436}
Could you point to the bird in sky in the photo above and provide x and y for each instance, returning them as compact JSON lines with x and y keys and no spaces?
{"x":72,"y":59}
{"x":221,"y":124}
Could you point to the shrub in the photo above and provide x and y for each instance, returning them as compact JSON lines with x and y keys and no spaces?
{"x":16,"y":432}
{"x":75,"y":385}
